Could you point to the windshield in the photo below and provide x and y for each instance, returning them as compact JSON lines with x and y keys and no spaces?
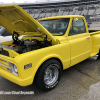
{"x":56,"y":27}
{"x":2,"y":31}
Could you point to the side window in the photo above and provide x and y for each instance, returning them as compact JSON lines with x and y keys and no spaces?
{"x":77,"y":27}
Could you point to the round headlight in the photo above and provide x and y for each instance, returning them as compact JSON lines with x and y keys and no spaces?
{"x":14,"y":69}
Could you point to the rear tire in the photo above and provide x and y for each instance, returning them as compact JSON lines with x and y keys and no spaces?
{"x":48,"y":75}
{"x":98,"y":55}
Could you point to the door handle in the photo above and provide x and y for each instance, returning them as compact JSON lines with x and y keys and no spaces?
{"x":88,"y":38}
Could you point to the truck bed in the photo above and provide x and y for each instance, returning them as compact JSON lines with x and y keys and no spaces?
{"x":93,"y":30}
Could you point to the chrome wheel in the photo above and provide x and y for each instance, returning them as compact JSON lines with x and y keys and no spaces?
{"x":48,"y":75}
{"x":51,"y":74}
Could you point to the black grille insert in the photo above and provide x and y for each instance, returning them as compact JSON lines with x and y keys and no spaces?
{"x":4,"y":52}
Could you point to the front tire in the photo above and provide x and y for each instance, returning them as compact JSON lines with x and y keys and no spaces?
{"x":48,"y":75}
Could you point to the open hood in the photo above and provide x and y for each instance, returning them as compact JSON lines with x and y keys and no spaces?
{"x":15,"y":19}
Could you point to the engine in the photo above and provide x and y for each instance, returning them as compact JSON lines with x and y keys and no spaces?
{"x":22,"y":46}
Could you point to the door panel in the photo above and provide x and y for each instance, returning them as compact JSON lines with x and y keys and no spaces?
{"x":81,"y":45}
{"x":80,"y":41}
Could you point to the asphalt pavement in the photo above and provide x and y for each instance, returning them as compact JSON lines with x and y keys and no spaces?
{"x":80,"y":82}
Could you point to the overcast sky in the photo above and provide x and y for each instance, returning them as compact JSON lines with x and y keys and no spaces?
{"x":23,"y":1}
{"x":28,"y":1}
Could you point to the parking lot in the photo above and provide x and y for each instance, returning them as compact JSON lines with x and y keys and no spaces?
{"x":80,"y":82}
{"x":95,"y":25}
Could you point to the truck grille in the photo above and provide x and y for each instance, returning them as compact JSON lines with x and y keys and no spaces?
{"x":4,"y":65}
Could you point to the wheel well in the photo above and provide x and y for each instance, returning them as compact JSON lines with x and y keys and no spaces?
{"x":55,"y":59}
{"x":47,"y":60}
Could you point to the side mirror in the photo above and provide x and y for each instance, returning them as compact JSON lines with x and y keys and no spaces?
{"x":75,"y":19}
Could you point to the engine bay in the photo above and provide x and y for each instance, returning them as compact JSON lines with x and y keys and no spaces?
{"x":22,"y":46}
{"x":27,"y":44}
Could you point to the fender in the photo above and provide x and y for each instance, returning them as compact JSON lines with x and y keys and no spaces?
{"x":95,"y":44}
{"x":45,"y":59}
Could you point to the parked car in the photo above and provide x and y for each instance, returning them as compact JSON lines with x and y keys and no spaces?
{"x":5,"y":35}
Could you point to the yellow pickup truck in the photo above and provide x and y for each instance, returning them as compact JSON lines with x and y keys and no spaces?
{"x":48,"y":46}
